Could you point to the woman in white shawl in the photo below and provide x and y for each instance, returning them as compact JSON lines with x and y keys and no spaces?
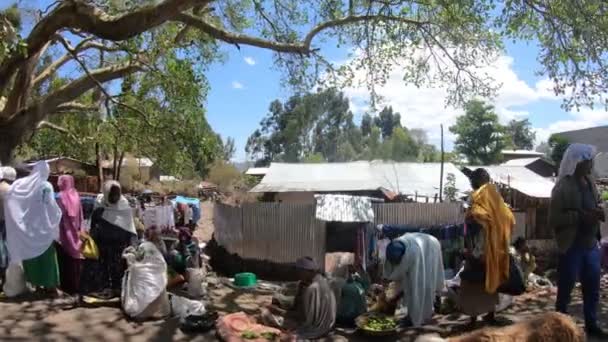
{"x":113,"y":230}
{"x":32,"y":225}
{"x":415,"y":263}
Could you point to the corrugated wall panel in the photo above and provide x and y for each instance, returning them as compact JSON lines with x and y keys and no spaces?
{"x":418,"y":214}
{"x":282,"y":232}
{"x":228,"y":223}
{"x":275,"y":232}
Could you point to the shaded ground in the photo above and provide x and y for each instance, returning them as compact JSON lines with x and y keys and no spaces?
{"x":45,"y":320}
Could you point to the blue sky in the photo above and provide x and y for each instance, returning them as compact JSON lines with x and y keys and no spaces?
{"x":243,"y":87}
{"x":242,"y":90}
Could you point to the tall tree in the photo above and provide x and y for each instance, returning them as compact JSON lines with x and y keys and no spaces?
{"x":425,"y":35}
{"x":520,"y":134}
{"x":366,"y":124}
{"x":479,"y":135}
{"x":558,"y":146}
{"x":404,"y":148}
{"x":228,"y":149}
{"x":387,"y":120}
{"x":319,"y":123}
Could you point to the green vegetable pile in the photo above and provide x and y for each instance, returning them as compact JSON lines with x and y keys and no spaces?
{"x":270,"y":336}
{"x":248,"y":335}
{"x":380,"y":324}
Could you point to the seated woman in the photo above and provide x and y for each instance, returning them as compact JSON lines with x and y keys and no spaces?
{"x":526,"y":259}
{"x":186,"y":254}
{"x":351,"y":297}
{"x":312,"y":313}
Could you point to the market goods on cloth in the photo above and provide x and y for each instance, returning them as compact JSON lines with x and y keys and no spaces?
{"x":239,"y":327}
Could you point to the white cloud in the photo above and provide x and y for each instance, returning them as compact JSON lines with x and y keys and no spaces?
{"x":425,"y":107}
{"x":237,"y":85}
{"x":249,"y":60}
{"x":585,"y":118}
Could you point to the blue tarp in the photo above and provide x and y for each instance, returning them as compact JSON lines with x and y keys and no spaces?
{"x":194,"y":202}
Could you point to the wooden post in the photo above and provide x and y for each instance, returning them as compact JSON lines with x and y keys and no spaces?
{"x":441,"y":172}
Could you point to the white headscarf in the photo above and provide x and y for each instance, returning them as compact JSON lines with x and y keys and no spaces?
{"x":119,"y":214}
{"x":8,"y":173}
{"x":575,"y":154}
{"x":32,"y":215}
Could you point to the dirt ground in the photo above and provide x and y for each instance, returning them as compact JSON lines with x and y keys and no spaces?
{"x":32,"y":319}
{"x":48,"y":320}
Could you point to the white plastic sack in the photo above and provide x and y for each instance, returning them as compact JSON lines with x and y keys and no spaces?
{"x":145,"y":279}
{"x":196,"y":276}
{"x":183,"y":307}
{"x":15,"y":280}
{"x":504,"y":301}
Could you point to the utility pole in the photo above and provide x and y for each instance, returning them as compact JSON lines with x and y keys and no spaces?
{"x":441,"y":173}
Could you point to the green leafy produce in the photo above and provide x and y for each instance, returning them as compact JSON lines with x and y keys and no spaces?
{"x":380,"y":324}
{"x":249,"y":335}
{"x":270,"y":336}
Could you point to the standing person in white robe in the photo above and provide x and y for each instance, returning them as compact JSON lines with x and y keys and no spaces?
{"x":32,"y":225}
{"x":415,"y":262}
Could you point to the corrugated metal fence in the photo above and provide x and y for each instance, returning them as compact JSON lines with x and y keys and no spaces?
{"x":283,"y":232}
{"x":418,"y":214}
{"x":277,"y":232}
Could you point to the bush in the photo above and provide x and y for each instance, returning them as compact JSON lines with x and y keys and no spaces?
{"x":225,"y":176}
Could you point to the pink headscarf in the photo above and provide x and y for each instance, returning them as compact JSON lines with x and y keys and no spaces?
{"x":69,"y":232}
{"x":70,"y":199}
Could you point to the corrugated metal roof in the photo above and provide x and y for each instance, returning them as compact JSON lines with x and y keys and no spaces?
{"x":344,"y":208}
{"x":404,"y":178}
{"x":257,"y":171}
{"x":522,"y":152}
{"x":521,"y":179}
{"x":520,"y":162}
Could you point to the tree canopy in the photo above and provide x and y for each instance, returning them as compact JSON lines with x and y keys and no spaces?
{"x":435,"y":42}
{"x":479,"y":135}
{"x":319,"y":127}
{"x":520,"y":135}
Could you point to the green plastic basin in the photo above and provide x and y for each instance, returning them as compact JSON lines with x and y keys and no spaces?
{"x":245,"y":279}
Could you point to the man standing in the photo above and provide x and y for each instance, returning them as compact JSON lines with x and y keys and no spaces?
{"x":575,"y":216}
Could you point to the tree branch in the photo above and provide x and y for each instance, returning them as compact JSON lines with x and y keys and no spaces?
{"x":73,"y":90}
{"x":303,"y":47}
{"x":78,"y":15}
{"x":75,"y":106}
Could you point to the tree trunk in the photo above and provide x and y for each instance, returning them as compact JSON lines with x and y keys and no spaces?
{"x":114,"y":163}
{"x":120,"y":160}
{"x":11,"y":136}
{"x":99,"y":167}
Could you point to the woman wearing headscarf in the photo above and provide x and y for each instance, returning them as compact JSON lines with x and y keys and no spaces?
{"x":70,"y":256}
{"x":414,"y":262}
{"x":113,"y":230}
{"x":489,"y":226}
{"x":7,"y":177}
{"x":575,"y":216}
{"x":312,"y":313}
{"x":32,"y":226}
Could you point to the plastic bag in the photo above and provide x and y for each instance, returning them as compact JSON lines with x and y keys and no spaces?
{"x":504,"y":301}
{"x":15,"y":280}
{"x":184,"y":307}
{"x":196,"y":276}
{"x":145,"y":279}
{"x":89,"y":248}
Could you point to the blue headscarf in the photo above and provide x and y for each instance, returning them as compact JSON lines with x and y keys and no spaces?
{"x":395,"y":251}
